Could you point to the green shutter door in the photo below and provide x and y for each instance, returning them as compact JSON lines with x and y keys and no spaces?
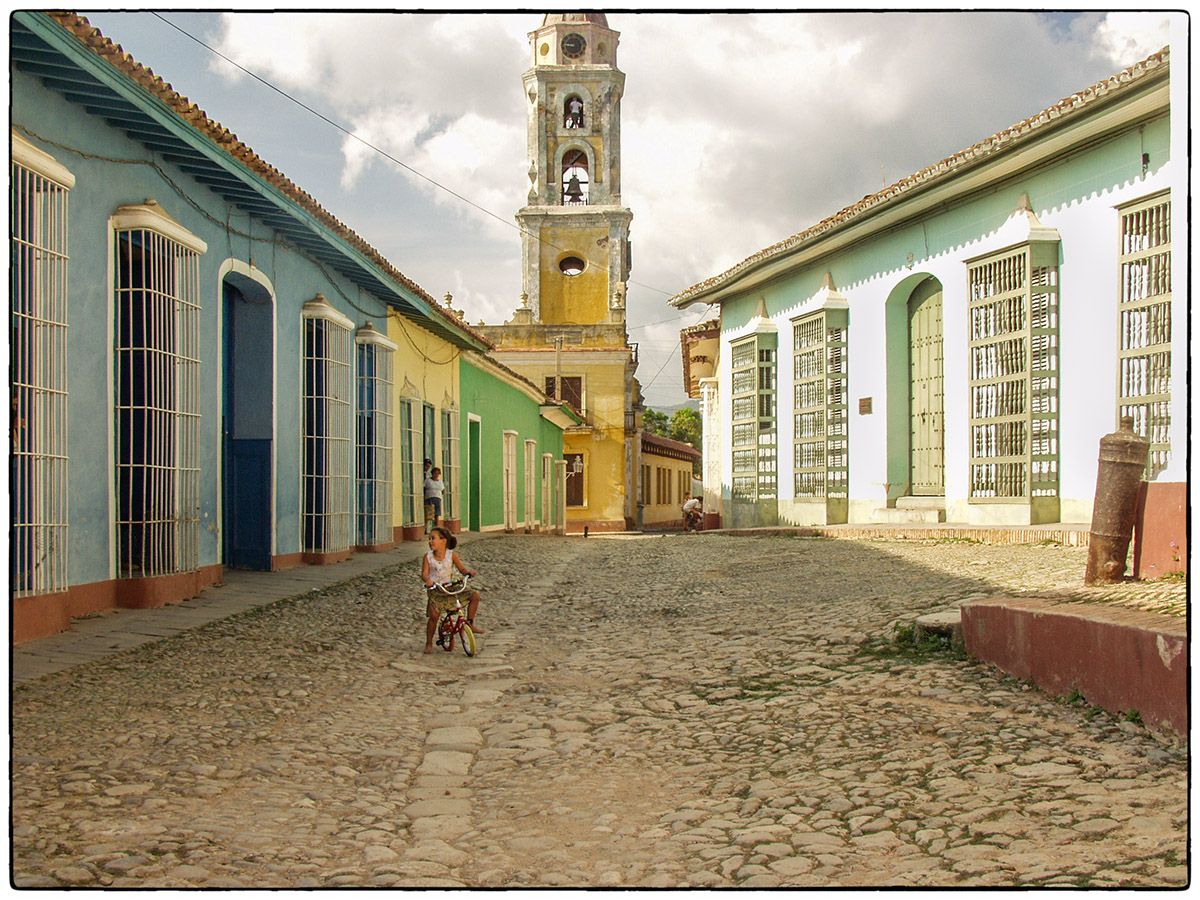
{"x":925,"y":389}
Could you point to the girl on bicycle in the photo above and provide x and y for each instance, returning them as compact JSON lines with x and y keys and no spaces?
{"x":437,"y":567}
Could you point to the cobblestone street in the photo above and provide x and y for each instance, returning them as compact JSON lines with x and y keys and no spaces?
{"x":684,"y":710}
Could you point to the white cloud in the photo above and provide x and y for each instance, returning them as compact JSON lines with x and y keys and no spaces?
{"x":1123,"y":38}
{"x":738,"y":130}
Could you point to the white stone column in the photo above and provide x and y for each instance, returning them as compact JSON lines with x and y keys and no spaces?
{"x":710,"y":415}
{"x":560,"y":496}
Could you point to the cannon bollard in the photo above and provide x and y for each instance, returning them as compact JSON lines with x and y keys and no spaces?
{"x":1122,"y":461}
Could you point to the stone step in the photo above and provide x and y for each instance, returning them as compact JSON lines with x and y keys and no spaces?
{"x":921,"y":503}
{"x":908,"y":516}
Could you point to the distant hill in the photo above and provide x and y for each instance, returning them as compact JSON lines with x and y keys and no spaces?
{"x":670,"y":410}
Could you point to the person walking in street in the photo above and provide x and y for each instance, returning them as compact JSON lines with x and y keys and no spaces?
{"x":438,"y":566}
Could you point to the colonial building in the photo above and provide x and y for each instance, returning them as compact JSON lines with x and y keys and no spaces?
{"x":569,"y":333}
{"x":208,"y":369}
{"x":666,"y":479}
{"x":953,"y":347}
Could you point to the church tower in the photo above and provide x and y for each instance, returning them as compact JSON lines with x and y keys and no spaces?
{"x":576,"y":241}
{"x":568,"y":332}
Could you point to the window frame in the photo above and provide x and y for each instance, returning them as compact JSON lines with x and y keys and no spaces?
{"x":156,"y":392}
{"x":39,"y":201}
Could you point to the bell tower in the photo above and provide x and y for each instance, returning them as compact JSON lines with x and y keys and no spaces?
{"x":575,"y":246}
{"x":568,"y":334}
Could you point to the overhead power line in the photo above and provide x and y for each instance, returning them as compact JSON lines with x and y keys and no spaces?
{"x":380,"y":151}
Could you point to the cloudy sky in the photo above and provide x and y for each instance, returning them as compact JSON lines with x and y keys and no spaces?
{"x":737,"y":129}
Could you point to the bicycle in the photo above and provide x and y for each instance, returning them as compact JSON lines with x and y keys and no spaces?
{"x":453,"y":622}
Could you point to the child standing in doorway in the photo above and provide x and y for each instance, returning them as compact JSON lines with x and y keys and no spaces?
{"x":434,"y":488}
{"x":438,"y":567}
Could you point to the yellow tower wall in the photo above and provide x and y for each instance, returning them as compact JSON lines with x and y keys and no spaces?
{"x":583,"y":298}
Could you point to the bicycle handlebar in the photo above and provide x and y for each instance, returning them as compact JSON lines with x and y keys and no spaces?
{"x":442,"y":587}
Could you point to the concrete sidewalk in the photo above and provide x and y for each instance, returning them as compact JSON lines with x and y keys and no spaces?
{"x":103,"y":635}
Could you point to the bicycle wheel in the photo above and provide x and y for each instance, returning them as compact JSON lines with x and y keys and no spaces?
{"x":467,"y":636}
{"x":446,"y":633}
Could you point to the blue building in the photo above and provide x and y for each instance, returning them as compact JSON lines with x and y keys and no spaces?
{"x":201,"y":374}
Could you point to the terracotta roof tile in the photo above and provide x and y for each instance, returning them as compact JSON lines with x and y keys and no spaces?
{"x":988,"y":146}
{"x":225,"y":140}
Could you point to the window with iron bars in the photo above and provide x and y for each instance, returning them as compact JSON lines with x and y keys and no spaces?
{"x":820,"y":409}
{"x":753,"y":418}
{"x":157,"y":394}
{"x":412,"y":482}
{"x":1144,"y":315}
{"x":38,"y":373}
{"x":373,"y":473}
{"x":326,"y":506}
{"x":1013,"y":374}
{"x":450,"y":463}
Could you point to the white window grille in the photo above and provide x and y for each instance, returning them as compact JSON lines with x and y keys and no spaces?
{"x":157,"y":307}
{"x":1144,"y":308}
{"x":530,"y":482}
{"x":450,"y":464}
{"x":38,"y":374}
{"x":412,"y":484}
{"x":1013,"y":376}
{"x":326,"y":510}
{"x":373,"y":472}
{"x":753,"y":423}
{"x":820,"y":409}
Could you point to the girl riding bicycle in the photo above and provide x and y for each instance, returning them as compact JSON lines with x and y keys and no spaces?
{"x":437,"y":567}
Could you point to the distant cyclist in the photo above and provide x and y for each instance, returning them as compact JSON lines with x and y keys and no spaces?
{"x":692,"y":514}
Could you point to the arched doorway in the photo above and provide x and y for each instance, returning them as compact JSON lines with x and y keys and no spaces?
{"x":248,"y":417}
{"x":925,"y":391}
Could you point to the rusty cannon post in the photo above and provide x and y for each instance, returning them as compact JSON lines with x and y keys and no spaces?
{"x":1122,"y":461}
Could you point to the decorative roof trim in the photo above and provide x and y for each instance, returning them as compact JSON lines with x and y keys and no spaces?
{"x":999,"y":143}
{"x":38,"y":160}
{"x":151,"y":216}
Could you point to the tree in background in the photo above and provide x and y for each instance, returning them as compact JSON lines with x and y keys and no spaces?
{"x":656,"y":423}
{"x":686,"y":425}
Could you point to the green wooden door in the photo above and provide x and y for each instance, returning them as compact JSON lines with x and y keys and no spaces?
{"x":925,"y":390}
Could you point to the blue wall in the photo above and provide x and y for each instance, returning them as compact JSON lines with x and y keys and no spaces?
{"x":102,"y":185}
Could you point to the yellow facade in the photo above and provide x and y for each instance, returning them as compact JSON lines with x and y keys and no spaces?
{"x":579,"y":298}
{"x":426,"y":372}
{"x":666,"y":480}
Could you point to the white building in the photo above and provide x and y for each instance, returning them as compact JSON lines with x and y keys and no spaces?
{"x":954,"y":347}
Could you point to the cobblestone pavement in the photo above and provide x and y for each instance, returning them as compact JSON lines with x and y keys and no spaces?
{"x":688,"y":710}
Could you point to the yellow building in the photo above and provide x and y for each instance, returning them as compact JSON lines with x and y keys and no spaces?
{"x":569,"y":335}
{"x":667,"y":467}
{"x":427,"y":385}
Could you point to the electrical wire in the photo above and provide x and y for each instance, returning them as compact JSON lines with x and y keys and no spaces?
{"x":385,"y":154}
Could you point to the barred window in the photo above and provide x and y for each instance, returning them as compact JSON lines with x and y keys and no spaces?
{"x":820,"y":453}
{"x":326,"y":507}
{"x":1013,"y":373}
{"x":450,"y":463}
{"x":157,"y":374}
{"x":373,"y":474}
{"x":38,"y":371}
{"x":1144,"y":341}
{"x":412,"y":486}
{"x":753,"y":416}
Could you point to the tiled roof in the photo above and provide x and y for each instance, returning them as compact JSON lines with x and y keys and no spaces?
{"x":665,"y":443}
{"x":996,"y":144}
{"x":226,"y":141}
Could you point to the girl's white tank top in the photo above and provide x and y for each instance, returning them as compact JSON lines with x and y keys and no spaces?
{"x":440,"y":572}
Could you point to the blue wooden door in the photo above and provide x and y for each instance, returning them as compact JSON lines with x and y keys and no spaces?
{"x":246,"y":338}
